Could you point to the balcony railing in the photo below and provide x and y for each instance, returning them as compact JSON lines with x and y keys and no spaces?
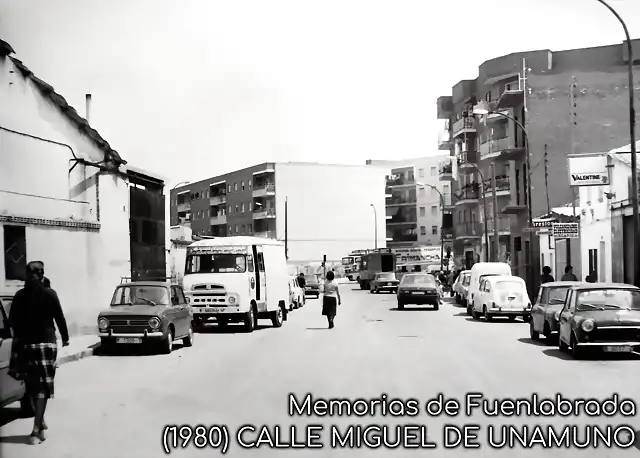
{"x":264,"y":189}
{"x":403,"y":219}
{"x":446,"y":168}
{"x":495,"y":146}
{"x":266,"y":234}
{"x":447,"y":200}
{"x":468,"y":230}
{"x":397,"y":200}
{"x":468,"y":192}
{"x":264,"y":213}
{"x":396,"y":237}
{"x":218,"y":219}
{"x":401,"y":181}
{"x":466,"y":157}
{"x":464,"y":124}
{"x":503,"y":225}
{"x":502,"y":184}
{"x":218,"y":199}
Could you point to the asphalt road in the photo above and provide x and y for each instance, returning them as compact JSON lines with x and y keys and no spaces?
{"x":114,"y":406}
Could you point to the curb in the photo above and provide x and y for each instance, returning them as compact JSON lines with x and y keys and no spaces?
{"x":78,"y":355}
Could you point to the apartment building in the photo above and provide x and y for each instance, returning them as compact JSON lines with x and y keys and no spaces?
{"x":567,"y":101}
{"x":414,"y":212}
{"x":321,"y":209}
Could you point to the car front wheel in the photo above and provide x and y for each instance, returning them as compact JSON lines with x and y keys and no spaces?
{"x":277,"y":317}
{"x":188,"y":341}
{"x":535,"y":335}
{"x":167,"y":344}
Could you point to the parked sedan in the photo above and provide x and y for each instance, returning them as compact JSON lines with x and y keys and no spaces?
{"x":600,"y":316}
{"x":501,"y":296}
{"x":296,"y":294}
{"x":312,"y":286}
{"x":419,"y":289}
{"x":461,"y":287}
{"x":11,"y":390}
{"x":147,"y":313}
{"x":384,"y":281}
{"x":550,"y":300}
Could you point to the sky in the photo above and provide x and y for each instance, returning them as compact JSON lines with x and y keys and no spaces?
{"x":189,"y":89}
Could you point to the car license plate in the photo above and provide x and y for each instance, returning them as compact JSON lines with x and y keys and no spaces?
{"x":419,"y":292}
{"x":618,"y":349}
{"x":129,"y":340}
{"x":213,"y":310}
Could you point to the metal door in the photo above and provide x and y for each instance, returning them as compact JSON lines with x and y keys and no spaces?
{"x":179,"y":312}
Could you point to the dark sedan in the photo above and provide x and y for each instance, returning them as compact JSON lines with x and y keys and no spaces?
{"x":312,"y":286}
{"x":384,"y":281}
{"x":550,"y":300}
{"x":418,"y":289}
{"x":600,"y":316}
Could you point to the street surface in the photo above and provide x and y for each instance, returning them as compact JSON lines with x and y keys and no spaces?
{"x":117,"y":406}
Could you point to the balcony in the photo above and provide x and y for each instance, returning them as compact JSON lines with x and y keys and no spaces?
{"x":403,"y":237}
{"x":397,"y":182}
{"x":448,"y":233}
{"x":446,"y":171}
{"x":511,"y":97}
{"x":398,"y":201}
{"x":219,"y":199}
{"x":445,"y":106}
{"x":464,"y":126}
{"x":398,"y":220}
{"x":468,"y":194}
{"x":467,"y":158}
{"x":262,"y":190}
{"x":265,"y":234}
{"x":468,"y":230}
{"x":503,"y":186}
{"x":218,"y":219}
{"x":184,"y":207}
{"x":499,"y":147}
{"x":503,"y":226}
{"x":448,"y":202}
{"x":263,"y":213}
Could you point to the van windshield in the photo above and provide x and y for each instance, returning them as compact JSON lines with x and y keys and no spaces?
{"x":215,"y":263}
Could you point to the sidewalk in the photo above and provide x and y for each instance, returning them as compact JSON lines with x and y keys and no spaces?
{"x":79,"y":347}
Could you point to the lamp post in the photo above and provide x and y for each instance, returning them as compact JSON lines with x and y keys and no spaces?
{"x":632,"y":139}
{"x":180,"y":184}
{"x":484,"y":210}
{"x":441,"y":221}
{"x":375,"y":226}
{"x":480,"y":110}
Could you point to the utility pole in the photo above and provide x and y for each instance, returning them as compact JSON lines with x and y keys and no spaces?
{"x":286,"y":228}
{"x":375,"y":226}
{"x":496,"y":245}
{"x":546,"y":190}
{"x":574,"y":124}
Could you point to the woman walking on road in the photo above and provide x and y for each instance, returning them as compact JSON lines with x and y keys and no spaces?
{"x":330,"y":298}
{"x":34,"y":310}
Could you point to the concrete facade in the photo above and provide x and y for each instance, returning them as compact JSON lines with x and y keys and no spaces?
{"x":569,"y":101}
{"x":64,"y":197}
{"x":328,"y":206}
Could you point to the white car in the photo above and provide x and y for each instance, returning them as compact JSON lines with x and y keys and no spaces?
{"x":501,"y":295}
{"x":461,"y":287}
{"x":296,"y":294}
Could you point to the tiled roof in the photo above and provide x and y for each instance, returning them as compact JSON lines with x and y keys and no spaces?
{"x":48,"y":92}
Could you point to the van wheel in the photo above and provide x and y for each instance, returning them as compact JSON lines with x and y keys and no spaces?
{"x":277,"y":317}
{"x":250,"y":320}
{"x":487,"y":315}
{"x":188,"y":341}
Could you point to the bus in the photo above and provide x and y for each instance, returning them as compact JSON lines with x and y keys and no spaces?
{"x":351,"y":264}
{"x":376,"y":261}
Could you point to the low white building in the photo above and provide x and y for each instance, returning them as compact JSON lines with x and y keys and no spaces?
{"x":605,"y":251}
{"x":65,"y":199}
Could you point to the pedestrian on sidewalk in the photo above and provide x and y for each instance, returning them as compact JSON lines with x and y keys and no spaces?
{"x":330,"y":298}
{"x":569,"y":275}
{"x":33,"y":313}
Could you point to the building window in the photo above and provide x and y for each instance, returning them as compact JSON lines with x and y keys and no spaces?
{"x":236,"y":209}
{"x":230,"y":209}
{"x":422,"y":192}
{"x":434,"y":230}
{"x":15,"y":252}
{"x":434,"y":209}
{"x":250,"y":228}
{"x":423,"y":230}
{"x":249,"y":184}
{"x":242,"y":229}
{"x":421,"y":173}
{"x":236,"y":229}
{"x":243,"y":203}
{"x":250,"y":204}
{"x":235,"y":186}
{"x":230,"y":229}
{"x":423,"y":211}
{"x":434,"y":172}
{"x":242,"y":185}
{"x":229,"y":188}
{"x":445,"y":189}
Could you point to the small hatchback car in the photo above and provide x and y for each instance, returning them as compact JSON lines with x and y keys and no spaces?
{"x":418,"y":289}
{"x":147,"y":313}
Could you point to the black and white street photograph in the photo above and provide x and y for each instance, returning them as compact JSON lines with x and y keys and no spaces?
{"x":319,"y":228}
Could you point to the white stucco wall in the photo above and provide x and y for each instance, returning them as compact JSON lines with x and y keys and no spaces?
{"x":329,"y":208}
{"x":84,"y":265}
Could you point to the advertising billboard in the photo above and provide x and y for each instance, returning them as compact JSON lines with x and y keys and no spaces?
{"x":588,"y":170}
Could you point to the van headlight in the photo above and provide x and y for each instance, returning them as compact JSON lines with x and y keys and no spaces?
{"x":232,"y":300}
{"x":154,"y":323}
{"x":103,"y":324}
{"x":588,"y":325}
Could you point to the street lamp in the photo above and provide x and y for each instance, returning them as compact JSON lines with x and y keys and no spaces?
{"x":484,"y":210}
{"x":632,"y":135}
{"x":180,"y":184}
{"x":441,"y":222}
{"x":375,"y":223}
{"x":480,"y":110}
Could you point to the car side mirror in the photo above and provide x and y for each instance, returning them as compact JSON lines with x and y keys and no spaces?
{"x":188,"y":299}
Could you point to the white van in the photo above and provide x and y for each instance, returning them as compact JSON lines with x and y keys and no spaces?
{"x":482,"y":269}
{"x":237,"y":280}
